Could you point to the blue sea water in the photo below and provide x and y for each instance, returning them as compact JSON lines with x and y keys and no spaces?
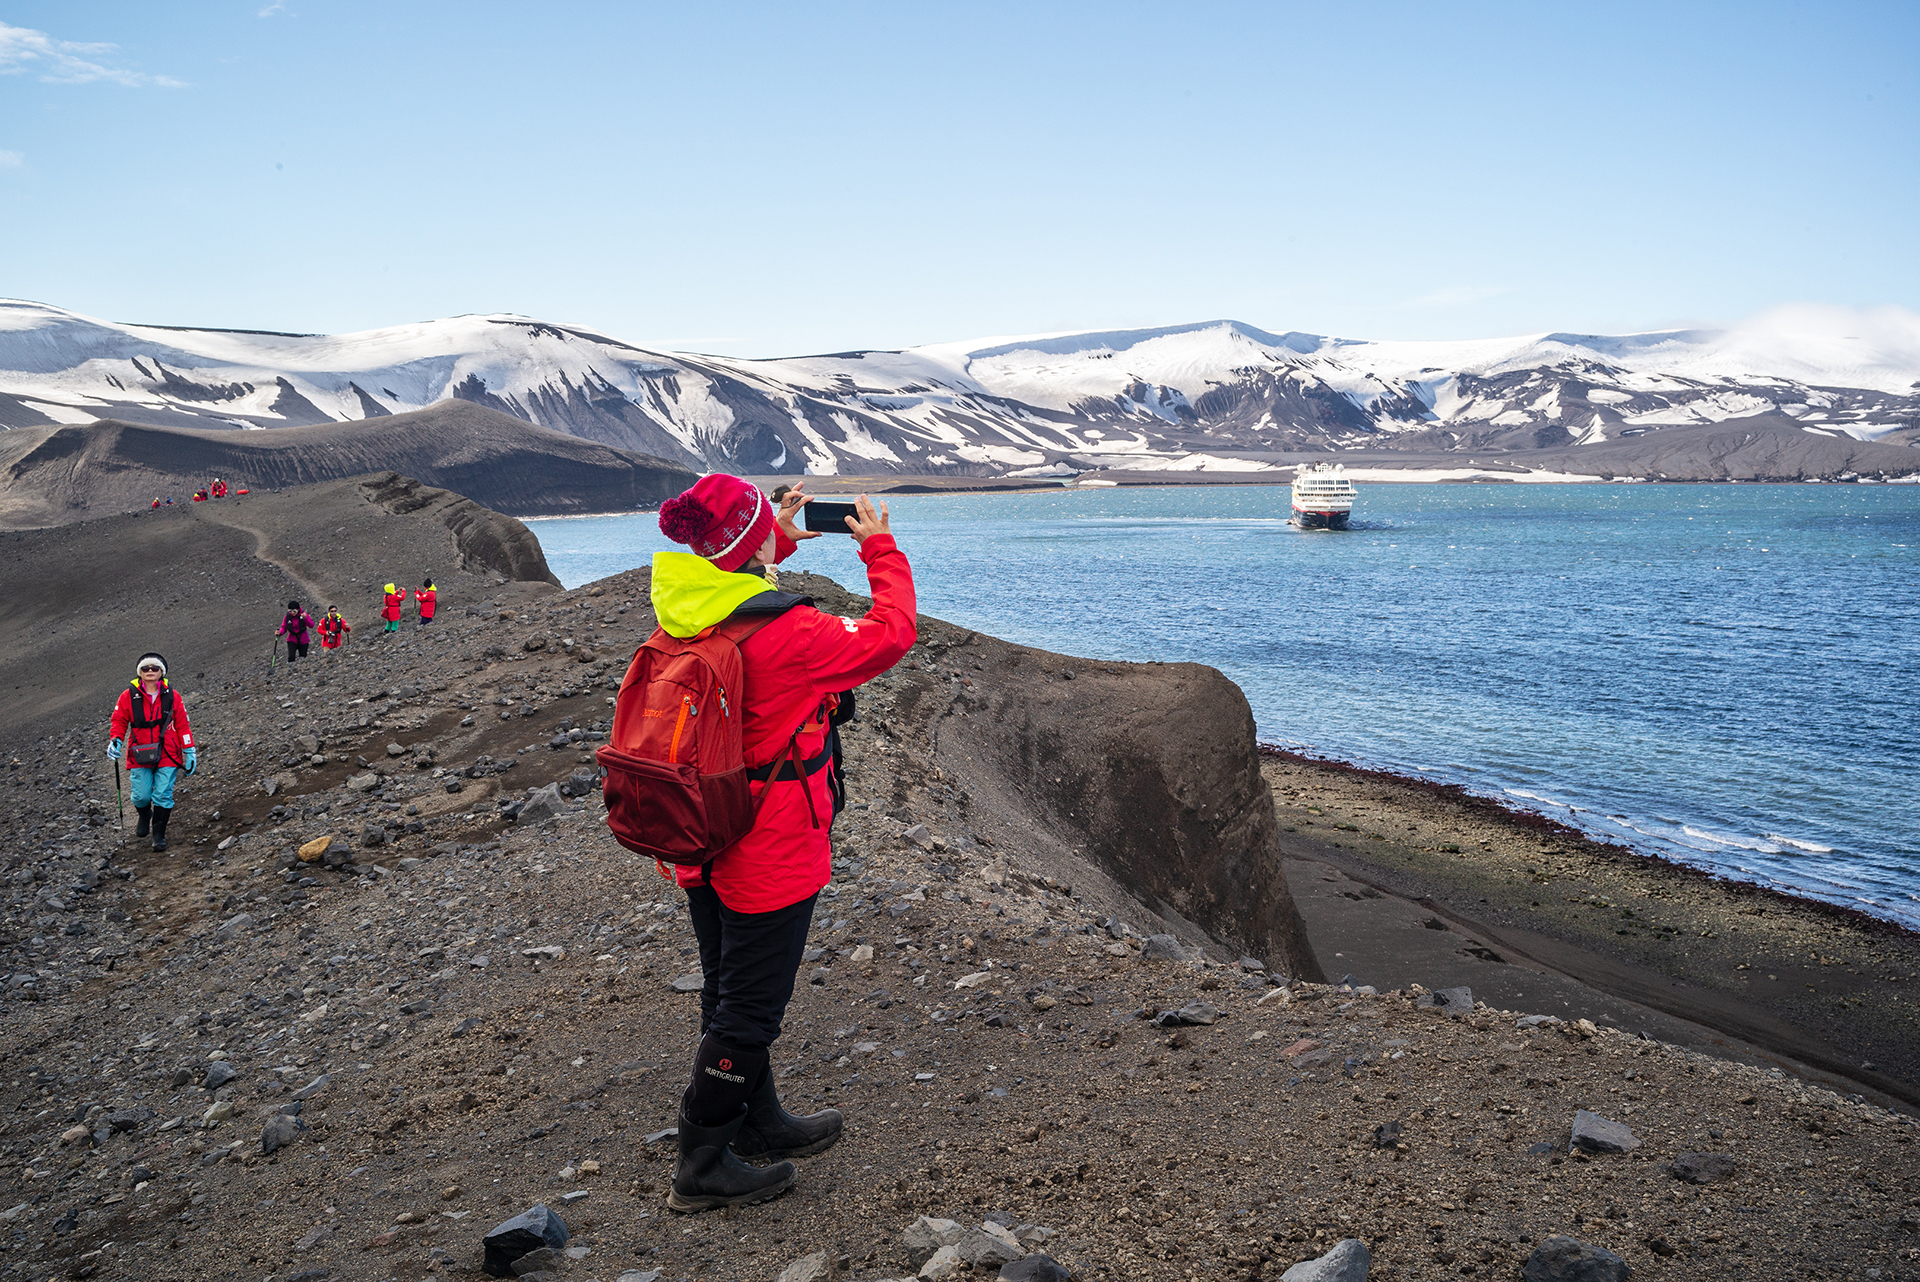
{"x":1722,"y":674}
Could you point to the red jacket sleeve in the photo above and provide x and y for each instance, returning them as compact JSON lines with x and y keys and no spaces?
{"x":783,"y":547}
{"x":122,"y":715}
{"x":181,"y":729}
{"x":842,"y":653}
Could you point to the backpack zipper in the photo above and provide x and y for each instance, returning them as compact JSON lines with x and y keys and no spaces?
{"x":686,"y":710}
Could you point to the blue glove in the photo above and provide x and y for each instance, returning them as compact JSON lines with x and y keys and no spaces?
{"x":113,"y":749}
{"x":191,"y":760}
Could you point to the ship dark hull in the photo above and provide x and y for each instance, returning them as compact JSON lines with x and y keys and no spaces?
{"x":1320,"y":520}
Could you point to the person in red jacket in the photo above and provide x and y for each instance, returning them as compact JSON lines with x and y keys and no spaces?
{"x":333,"y":629}
{"x":150,"y":731}
{"x":390,"y":608}
{"x":219,"y":489}
{"x":751,"y":907}
{"x":427,"y":597}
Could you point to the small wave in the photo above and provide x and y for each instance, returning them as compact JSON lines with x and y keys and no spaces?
{"x":1811,"y":847}
{"x":1534,"y":796}
{"x":1730,"y":842}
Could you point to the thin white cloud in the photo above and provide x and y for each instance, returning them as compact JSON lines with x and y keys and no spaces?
{"x":68,"y":62}
{"x":11,"y":160}
{"x":278,"y":6}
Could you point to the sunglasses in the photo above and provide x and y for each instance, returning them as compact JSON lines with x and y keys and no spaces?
{"x":151,"y":668}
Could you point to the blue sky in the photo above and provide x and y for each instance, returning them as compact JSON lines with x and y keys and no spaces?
{"x":778,"y":179}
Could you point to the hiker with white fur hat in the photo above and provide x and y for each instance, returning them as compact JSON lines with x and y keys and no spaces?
{"x":150,"y":731}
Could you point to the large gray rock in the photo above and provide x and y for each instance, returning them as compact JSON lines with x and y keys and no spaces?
{"x":545,"y":803}
{"x":233,"y":927}
{"x":279,"y":1131}
{"x":984,"y":1250}
{"x":1191,"y":1013}
{"x":1565,"y":1259}
{"x":219,"y":1073}
{"x":1703,"y":1168}
{"x":544,"y":1260}
{"x":1593,"y":1133}
{"x":927,"y":1235}
{"x":808,"y":1268}
{"x":1038,"y":1267}
{"x":1347,"y":1262}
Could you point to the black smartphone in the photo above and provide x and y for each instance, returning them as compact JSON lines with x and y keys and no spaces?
{"x":828,"y":518}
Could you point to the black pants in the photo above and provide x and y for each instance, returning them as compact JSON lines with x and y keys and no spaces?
{"x":296,"y":650}
{"x":750,"y":960}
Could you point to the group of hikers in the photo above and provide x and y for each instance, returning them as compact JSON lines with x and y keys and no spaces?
{"x":752,"y":857}
{"x":217,"y":490}
{"x":298,"y":627}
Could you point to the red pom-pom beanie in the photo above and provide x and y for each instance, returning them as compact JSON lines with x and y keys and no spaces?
{"x":722,"y":518}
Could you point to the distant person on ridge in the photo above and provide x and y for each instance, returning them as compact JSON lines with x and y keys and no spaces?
{"x":390,"y":608}
{"x":219,"y":489}
{"x":297,"y":627}
{"x":427,"y":596}
{"x":752,"y":904}
{"x":333,"y":629}
{"x":156,"y":503}
{"x":150,"y":730}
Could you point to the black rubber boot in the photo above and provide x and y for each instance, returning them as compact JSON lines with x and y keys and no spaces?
{"x":708,"y":1175}
{"x":160,"y":816}
{"x":770,"y":1131}
{"x":142,"y":828}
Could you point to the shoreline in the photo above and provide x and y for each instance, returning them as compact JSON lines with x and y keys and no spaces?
{"x":1824,"y":986}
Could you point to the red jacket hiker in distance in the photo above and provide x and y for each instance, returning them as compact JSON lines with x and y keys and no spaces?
{"x":792,"y":665}
{"x":179,"y":734}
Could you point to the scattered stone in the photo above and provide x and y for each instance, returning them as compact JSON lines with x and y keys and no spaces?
{"x":1191,"y":1013}
{"x":219,"y":1073}
{"x":1387,"y":1135}
{"x":365,"y":782}
{"x":1043,"y":1002}
{"x":545,"y":1260}
{"x":395,"y":750}
{"x":1251,"y":964}
{"x":526,"y":1232}
{"x":311,"y":852}
{"x":559,"y":741}
{"x":1165,"y":948}
{"x":1276,"y":997}
{"x":233,"y":927}
{"x":313,"y":1088}
{"x":1038,"y":1267}
{"x":817,"y":1267}
{"x":1457,"y":1002}
{"x":688,"y":983}
{"x":1593,"y":1133}
{"x":219,"y":1111}
{"x":1565,"y":1259}
{"x":315,"y":1236}
{"x":1703,"y":1168}
{"x":1347,"y":1262}
{"x":73,"y":1135}
{"x":862,"y":953}
{"x":639,"y":1275}
{"x":374,"y":834}
{"x":544,"y":952}
{"x":280,"y":1130}
{"x":1537,"y":1021}
{"x":941,"y":1265}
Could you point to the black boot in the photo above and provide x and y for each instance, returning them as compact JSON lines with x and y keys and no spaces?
{"x":146,"y":815}
{"x":160,"y":816}
{"x":708,"y":1175}
{"x":770,"y":1131}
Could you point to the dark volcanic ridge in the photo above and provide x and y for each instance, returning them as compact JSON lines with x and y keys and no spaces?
{"x":55,"y":475}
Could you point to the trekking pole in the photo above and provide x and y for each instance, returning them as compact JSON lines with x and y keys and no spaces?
{"x":119,"y":798}
{"x":273,"y":650}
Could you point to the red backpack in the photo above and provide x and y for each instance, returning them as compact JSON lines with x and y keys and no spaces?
{"x":676,"y":787}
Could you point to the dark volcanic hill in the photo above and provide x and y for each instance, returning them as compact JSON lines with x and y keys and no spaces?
{"x":206,"y":584}
{"x":54,"y":475}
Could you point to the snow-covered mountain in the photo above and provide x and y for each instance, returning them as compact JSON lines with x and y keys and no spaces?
{"x":1219,"y":395}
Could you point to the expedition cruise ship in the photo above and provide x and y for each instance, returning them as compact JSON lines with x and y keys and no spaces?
{"x":1322,"y":496}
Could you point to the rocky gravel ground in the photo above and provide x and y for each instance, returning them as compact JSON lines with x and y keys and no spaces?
{"x":233,"y":1061}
